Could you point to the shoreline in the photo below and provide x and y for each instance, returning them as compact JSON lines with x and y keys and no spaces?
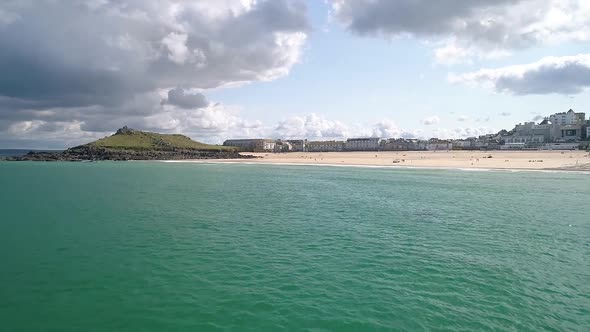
{"x":511,"y":170}
{"x":550,"y":161}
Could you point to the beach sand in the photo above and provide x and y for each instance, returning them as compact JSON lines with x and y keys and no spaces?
{"x":532,"y":160}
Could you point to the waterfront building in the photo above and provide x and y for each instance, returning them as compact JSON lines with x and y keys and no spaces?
{"x":435,"y":144}
{"x":363,"y":144}
{"x":297,"y":145}
{"x":513,"y":146}
{"x":534,"y":134}
{"x":394,"y":144}
{"x":570,"y":132}
{"x":561,"y":146}
{"x":417,"y":145}
{"x":483,"y":142}
{"x":463,"y":144}
{"x":524,"y":129}
{"x":543,"y":129}
{"x":282,"y":146}
{"x":527,"y":139}
{"x":325,"y":146}
{"x":567,"y":118}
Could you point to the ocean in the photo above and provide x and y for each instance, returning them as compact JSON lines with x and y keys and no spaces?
{"x":149,"y":246}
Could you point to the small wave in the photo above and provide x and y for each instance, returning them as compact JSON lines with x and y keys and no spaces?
{"x":466,"y":169}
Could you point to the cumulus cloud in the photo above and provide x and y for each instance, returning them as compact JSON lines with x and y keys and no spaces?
{"x":389,"y":129}
{"x":431,"y":120}
{"x":38,"y":134}
{"x":462,"y":132}
{"x":98,"y":63}
{"x":213,"y":123}
{"x":386,"y":128}
{"x":310,"y":126}
{"x":181,"y":98}
{"x":560,"y":75}
{"x":178,"y":50}
{"x":466,"y":28}
{"x":317,"y":127}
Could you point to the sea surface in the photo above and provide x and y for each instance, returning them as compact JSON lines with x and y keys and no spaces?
{"x":149,"y":246}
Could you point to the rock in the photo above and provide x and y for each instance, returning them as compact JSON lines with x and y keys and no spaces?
{"x":124,"y":131}
{"x":91,"y":153}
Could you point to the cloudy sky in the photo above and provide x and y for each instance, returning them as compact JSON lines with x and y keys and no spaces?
{"x":72,"y":71}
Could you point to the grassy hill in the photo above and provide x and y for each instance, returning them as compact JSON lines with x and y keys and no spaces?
{"x":130,"y":139}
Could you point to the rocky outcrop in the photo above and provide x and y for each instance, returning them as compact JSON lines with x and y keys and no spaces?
{"x":130,"y":144}
{"x":93,"y":153}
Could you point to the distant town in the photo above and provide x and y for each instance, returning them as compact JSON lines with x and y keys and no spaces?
{"x":561,"y":131}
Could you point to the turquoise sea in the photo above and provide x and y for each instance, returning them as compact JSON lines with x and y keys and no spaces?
{"x":147,"y":246}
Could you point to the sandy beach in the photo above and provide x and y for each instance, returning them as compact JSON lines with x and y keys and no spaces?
{"x":523,"y":160}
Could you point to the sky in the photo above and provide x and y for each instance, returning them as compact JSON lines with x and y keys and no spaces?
{"x":72,"y":71}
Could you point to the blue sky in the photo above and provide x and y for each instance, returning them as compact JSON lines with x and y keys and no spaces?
{"x":287,"y":68}
{"x":355,"y":79}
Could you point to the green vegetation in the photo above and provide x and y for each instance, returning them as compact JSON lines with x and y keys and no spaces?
{"x":129,"y":139}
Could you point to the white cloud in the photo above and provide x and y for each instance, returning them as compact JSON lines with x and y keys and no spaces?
{"x":451,"y":54}
{"x":464,"y":29}
{"x":106,"y":62}
{"x":310,"y":126}
{"x":386,"y":128}
{"x":317,"y":127}
{"x":431,"y":120}
{"x":561,"y":75}
{"x":211,"y":124}
{"x":46,"y":135}
{"x":389,"y":129}
{"x":179,"y":51}
{"x":462,"y":132}
{"x":157,"y":43}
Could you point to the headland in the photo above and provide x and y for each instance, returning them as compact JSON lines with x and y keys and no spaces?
{"x":130,"y":144}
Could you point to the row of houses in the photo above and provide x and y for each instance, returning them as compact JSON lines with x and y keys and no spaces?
{"x":484,"y":142}
{"x":351,"y":144}
{"x":558,"y":131}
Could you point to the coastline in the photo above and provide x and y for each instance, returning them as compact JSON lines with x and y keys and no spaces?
{"x":547,"y":161}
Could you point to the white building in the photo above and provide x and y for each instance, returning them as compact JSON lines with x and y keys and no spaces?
{"x":463,"y":144}
{"x":561,"y":146}
{"x":567,"y":118}
{"x":513,"y":146}
{"x":325,"y":146}
{"x":524,"y":139}
{"x":571,"y":132}
{"x":362,"y":144}
{"x":439,"y":145}
{"x":297,"y":145}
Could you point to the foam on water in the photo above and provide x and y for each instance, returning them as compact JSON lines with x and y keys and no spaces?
{"x":468,"y":169}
